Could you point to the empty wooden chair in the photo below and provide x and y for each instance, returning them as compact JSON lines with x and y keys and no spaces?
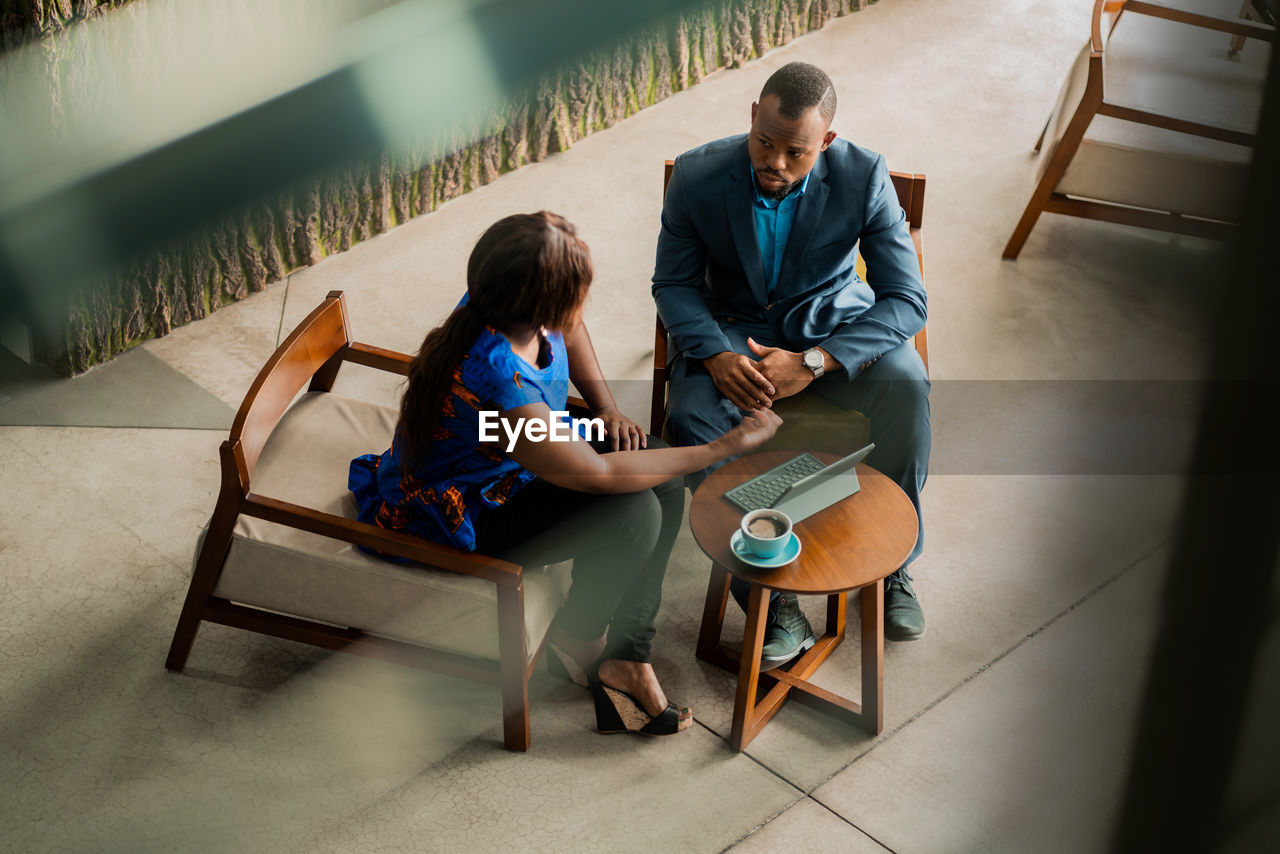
{"x":1154,"y":126}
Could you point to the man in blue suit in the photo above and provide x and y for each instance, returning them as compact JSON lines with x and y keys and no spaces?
{"x":755,"y":281}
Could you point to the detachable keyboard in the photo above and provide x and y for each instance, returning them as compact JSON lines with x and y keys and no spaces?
{"x":764,"y":489}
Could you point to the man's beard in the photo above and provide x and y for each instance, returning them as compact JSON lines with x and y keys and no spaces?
{"x":778,"y":194}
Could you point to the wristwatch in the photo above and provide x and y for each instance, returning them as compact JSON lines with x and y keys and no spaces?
{"x":813,"y":361}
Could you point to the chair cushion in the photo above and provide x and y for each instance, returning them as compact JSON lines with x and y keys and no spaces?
{"x":1129,"y":164}
{"x":1181,"y":71}
{"x":283,"y":569}
{"x":1151,"y":67}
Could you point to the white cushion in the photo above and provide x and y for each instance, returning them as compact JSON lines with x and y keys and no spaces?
{"x":283,"y":569}
{"x":1181,"y":71}
{"x":1130,"y":164}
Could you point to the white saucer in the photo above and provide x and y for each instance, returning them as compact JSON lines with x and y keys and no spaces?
{"x":789,"y":552}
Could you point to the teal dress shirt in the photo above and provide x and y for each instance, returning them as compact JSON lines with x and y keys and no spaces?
{"x":773,"y":227}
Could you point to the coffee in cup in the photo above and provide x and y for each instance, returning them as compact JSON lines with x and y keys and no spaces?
{"x":765,"y":532}
{"x":766,"y":527}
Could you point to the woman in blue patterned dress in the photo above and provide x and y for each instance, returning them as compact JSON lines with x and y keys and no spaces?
{"x":509,"y":350}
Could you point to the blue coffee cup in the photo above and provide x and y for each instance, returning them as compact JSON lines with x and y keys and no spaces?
{"x":766,"y":531}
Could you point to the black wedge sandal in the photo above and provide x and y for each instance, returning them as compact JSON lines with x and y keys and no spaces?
{"x":617,"y":711}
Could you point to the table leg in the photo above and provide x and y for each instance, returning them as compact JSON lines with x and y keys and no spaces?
{"x":744,"y":709}
{"x":837,"y":608}
{"x":873,"y":657}
{"x":713,"y":615}
{"x":750,"y":716}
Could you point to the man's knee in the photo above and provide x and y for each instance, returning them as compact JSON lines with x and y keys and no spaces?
{"x":899,"y":379}
{"x":901,"y":364}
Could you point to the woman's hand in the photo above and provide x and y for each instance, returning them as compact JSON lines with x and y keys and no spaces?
{"x":755,"y":428}
{"x":623,"y":433}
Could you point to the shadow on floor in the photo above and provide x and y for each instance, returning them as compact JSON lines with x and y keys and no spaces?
{"x":135,"y":389}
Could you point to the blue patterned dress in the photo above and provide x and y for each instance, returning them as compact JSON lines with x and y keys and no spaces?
{"x":440,"y":500}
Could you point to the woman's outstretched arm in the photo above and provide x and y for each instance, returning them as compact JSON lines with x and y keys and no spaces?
{"x":575,"y":465}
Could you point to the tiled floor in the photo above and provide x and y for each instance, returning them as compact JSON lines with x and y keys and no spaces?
{"x":1007,"y":726}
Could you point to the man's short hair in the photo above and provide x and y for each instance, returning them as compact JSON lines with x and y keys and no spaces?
{"x":799,"y":87}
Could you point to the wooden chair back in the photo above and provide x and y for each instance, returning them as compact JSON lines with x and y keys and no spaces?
{"x":315,"y":345}
{"x":910,"y":190}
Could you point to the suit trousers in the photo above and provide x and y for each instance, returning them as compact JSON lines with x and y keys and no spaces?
{"x":892,"y":392}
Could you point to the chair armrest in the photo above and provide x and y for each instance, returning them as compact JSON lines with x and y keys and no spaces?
{"x":377,"y":357}
{"x":1235,"y":26}
{"x":1204,"y":129}
{"x":659,"y":344}
{"x":499,"y":571}
{"x":658,"y":396}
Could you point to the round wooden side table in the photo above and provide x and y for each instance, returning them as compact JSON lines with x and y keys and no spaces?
{"x":853,"y":544}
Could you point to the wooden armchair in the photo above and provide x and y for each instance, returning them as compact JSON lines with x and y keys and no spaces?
{"x":1150,"y":133}
{"x":1249,"y":13}
{"x":810,"y":422}
{"x":286,"y":565}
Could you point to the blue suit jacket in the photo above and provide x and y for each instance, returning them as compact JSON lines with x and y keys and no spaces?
{"x":709,"y":267}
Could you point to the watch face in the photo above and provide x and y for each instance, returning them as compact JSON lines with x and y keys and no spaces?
{"x":813,"y":360}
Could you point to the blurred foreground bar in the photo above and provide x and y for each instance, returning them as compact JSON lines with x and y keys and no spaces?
{"x":170,"y":156}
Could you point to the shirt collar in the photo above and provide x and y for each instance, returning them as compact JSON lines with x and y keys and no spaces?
{"x":796,"y":193}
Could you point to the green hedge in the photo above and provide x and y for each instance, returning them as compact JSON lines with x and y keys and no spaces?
{"x":22,"y":21}
{"x":244,"y":253}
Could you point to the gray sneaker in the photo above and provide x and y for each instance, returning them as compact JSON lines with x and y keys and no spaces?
{"x":787,"y":634}
{"x":903,"y":616}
